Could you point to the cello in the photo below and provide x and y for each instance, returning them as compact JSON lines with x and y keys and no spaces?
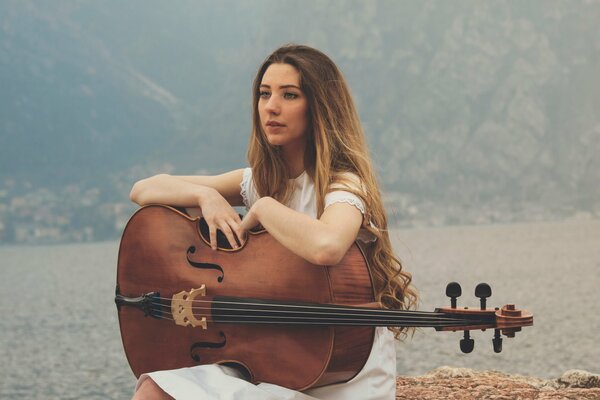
{"x":261,"y":308}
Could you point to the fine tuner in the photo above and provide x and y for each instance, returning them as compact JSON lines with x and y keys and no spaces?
{"x":506,"y":321}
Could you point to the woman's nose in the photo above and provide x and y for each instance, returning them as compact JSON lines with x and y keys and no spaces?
{"x":273,"y":105}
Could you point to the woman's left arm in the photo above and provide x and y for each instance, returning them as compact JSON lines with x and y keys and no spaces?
{"x":321,"y":241}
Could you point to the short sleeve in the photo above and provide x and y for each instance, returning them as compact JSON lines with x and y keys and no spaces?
{"x":341,"y":191}
{"x":339,"y":195}
{"x":248,"y":189}
{"x":342,"y":196}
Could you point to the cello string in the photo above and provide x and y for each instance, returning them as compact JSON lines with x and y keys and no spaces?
{"x":444,"y":317}
{"x":163,"y":317}
{"x":308,"y":305}
{"x":349,"y":323}
{"x":315,"y":306}
{"x":369,"y":323}
{"x":339,"y":311}
{"x":434,"y":321}
{"x":340,"y":323}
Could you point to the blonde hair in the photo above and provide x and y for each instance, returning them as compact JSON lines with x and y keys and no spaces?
{"x":335,"y":146}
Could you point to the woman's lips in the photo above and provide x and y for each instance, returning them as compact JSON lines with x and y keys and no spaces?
{"x":274,"y":126}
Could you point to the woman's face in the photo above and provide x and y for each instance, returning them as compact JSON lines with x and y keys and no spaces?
{"x":282,"y":107}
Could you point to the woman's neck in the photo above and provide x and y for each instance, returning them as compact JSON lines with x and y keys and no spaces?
{"x":295,"y":170}
{"x":294,"y":159}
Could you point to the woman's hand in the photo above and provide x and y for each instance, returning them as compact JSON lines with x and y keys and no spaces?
{"x":251,"y":218}
{"x":218,"y":214}
{"x":321,"y":241}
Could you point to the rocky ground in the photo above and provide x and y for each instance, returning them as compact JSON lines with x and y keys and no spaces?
{"x":465,"y":384}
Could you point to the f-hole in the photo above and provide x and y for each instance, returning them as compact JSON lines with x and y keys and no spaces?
{"x":197,"y":347}
{"x":192,"y":250}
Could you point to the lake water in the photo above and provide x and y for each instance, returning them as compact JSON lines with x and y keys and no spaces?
{"x":60,"y":336}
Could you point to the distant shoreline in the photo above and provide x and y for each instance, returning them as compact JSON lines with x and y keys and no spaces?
{"x":393,"y":227}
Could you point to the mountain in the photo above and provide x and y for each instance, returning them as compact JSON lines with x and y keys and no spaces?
{"x":469,"y":106}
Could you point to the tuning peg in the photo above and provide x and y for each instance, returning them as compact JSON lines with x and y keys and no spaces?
{"x":453,"y":291}
{"x":483,"y":291}
{"x":497,"y":341}
{"x":467,"y":344}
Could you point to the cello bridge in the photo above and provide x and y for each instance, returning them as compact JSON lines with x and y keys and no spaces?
{"x":182,"y":307}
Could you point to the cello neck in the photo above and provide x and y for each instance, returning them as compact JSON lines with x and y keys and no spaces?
{"x":238,"y":310}
{"x":184,"y":309}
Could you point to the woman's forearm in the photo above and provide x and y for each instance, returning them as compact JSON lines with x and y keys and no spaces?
{"x":213,"y":195}
{"x":312,"y":239}
{"x":167,"y":189}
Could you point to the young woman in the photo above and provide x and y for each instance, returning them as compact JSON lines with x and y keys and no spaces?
{"x":311,"y":185}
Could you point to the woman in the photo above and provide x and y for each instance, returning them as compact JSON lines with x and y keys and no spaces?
{"x":311,"y":185}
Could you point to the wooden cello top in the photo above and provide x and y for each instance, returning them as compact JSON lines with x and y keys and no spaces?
{"x":163,"y":251}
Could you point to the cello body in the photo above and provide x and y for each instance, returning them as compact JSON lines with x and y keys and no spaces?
{"x":162,"y":250}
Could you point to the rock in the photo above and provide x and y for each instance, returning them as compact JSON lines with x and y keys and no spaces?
{"x":451,"y":372}
{"x":576,"y":378}
{"x":464,"y":383}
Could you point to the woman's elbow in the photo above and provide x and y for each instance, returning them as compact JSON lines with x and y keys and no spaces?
{"x":328,"y":254}
{"x":138,"y":190}
{"x":138,"y":193}
{"x":134,"y":194}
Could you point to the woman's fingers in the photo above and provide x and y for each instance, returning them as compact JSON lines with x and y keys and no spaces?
{"x":230,"y":228}
{"x":212,"y":233}
{"x":237,"y":230}
{"x":225,"y":228}
{"x":241,"y":235}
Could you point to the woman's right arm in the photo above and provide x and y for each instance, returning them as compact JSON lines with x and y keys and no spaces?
{"x":187,"y":191}
{"x":214,"y":195}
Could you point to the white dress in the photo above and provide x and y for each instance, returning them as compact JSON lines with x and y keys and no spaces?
{"x":376,"y":381}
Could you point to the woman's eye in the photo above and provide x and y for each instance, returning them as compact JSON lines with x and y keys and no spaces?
{"x":263,"y":94}
{"x":290,"y":96}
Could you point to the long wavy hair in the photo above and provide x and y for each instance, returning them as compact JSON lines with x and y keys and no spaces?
{"x":335,"y":147}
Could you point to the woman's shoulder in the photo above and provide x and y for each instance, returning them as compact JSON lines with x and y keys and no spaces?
{"x":347,"y":187}
{"x":347,"y":181}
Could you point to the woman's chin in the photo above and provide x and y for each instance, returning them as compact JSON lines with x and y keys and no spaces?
{"x":276,"y":140}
